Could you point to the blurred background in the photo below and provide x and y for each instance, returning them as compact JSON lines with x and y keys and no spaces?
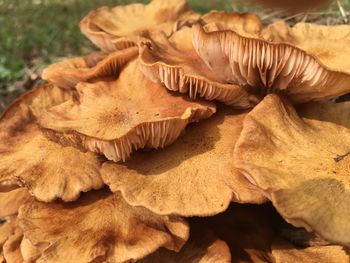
{"x":35,"y":33}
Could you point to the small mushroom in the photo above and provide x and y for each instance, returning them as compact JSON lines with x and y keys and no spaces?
{"x":69,"y":72}
{"x":301,"y":164}
{"x":117,"y":28}
{"x":47,"y":169}
{"x":299,"y":62}
{"x":193,"y":177}
{"x":100,"y":226}
{"x":121,"y":116}
{"x":175,"y":63}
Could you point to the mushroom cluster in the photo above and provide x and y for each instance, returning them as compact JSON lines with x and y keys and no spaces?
{"x":187,"y":138}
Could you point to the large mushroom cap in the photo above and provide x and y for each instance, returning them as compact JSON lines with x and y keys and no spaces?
{"x":193,"y":177}
{"x":117,"y":28}
{"x":118,"y":117}
{"x":175,"y":63}
{"x":68,"y":72}
{"x":47,"y":169}
{"x":297,"y":61}
{"x":100,"y":226}
{"x":303,"y":165}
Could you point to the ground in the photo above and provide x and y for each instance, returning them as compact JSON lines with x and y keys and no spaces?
{"x":35,"y":33}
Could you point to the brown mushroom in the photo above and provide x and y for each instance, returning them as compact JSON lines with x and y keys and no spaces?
{"x":100,"y":226}
{"x":118,"y":117}
{"x":193,"y":177}
{"x":175,"y":63}
{"x":202,"y":247}
{"x":117,"y":28}
{"x":68,"y":72}
{"x":245,"y":24}
{"x":301,"y":164}
{"x":47,"y":169}
{"x":298,"y":61}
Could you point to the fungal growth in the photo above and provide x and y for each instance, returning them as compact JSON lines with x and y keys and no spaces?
{"x":187,"y":138}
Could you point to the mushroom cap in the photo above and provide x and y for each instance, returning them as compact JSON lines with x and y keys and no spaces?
{"x":245,"y":24}
{"x":302,"y":165}
{"x":118,"y":117}
{"x":12,"y":200}
{"x":68,"y":72}
{"x":284,"y":252}
{"x":301,"y":71}
{"x":175,"y":63}
{"x":193,"y":177}
{"x":47,"y":169}
{"x":202,"y":247}
{"x":76,"y":232}
{"x":117,"y":28}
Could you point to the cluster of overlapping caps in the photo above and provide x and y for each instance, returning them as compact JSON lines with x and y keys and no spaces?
{"x":114,"y":123}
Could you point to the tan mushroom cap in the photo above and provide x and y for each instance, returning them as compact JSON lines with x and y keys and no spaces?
{"x":118,"y":117}
{"x":202,"y":247}
{"x":274,"y":66}
{"x":175,"y":63}
{"x":193,"y":177}
{"x":47,"y":169}
{"x":99,"y":226}
{"x":117,"y":28}
{"x":245,"y":24}
{"x":12,"y":200}
{"x":303,"y":165}
{"x":68,"y":72}
{"x":284,"y":252}
{"x":338,"y":113}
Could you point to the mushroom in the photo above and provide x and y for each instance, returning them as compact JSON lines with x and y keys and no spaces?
{"x":298,"y":61}
{"x":117,"y":28}
{"x":69,"y":72}
{"x":117,"y":117}
{"x":175,"y":63}
{"x":193,"y":177}
{"x":100,"y":226}
{"x":47,"y":169}
{"x":245,"y":24}
{"x":10,"y":201}
{"x":301,"y":164}
{"x":202,"y":247}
